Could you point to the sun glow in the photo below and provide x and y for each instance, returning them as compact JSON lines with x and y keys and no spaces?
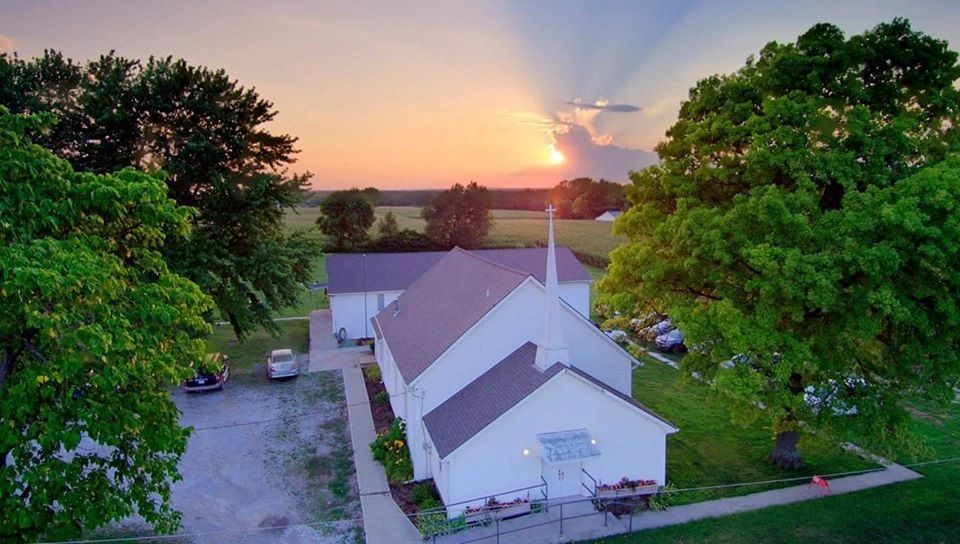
{"x":556,"y":157}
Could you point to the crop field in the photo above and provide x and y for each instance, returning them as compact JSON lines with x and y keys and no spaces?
{"x":511,"y":228}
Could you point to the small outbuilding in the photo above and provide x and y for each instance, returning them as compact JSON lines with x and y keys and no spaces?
{"x":608,"y":215}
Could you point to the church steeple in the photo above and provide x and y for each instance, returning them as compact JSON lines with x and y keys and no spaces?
{"x":552,"y":349}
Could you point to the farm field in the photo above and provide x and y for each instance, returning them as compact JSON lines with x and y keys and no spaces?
{"x":592,"y":240}
{"x":925,"y":510}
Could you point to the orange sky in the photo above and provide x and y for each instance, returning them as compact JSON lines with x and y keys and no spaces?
{"x":425,"y":94}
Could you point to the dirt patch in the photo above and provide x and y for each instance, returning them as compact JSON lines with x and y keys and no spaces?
{"x":382,"y":412}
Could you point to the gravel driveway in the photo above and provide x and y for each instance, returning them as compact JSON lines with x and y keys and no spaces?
{"x":242,"y":475}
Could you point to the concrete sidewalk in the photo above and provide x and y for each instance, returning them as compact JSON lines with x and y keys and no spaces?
{"x":544,"y":528}
{"x":325,"y":353}
{"x":383,"y":521}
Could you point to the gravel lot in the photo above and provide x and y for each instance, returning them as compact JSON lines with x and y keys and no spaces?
{"x":242,"y":475}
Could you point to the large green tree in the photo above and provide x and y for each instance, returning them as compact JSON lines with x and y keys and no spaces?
{"x":346,"y":218}
{"x":459,"y":216}
{"x":209,"y":135}
{"x":95,"y":329}
{"x":805,"y":220}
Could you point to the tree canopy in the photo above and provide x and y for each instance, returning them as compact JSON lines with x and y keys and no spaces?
{"x":584,"y":198}
{"x":459,"y":216}
{"x":95,"y":329}
{"x":208,"y":134}
{"x":346,"y":217}
{"x":804,"y":222}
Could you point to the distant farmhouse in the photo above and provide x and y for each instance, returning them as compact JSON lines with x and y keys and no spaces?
{"x":608,"y":215}
{"x":507,"y":389}
{"x":360,"y":285}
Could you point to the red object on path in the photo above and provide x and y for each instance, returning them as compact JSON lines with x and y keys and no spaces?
{"x":821,"y":483}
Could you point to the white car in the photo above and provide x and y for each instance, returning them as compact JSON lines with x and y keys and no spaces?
{"x":282,"y":363}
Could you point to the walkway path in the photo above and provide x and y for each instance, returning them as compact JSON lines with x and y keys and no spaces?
{"x":596,"y":526}
{"x":325,"y":353}
{"x":383,"y":521}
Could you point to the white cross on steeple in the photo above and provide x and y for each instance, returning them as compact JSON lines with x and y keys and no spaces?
{"x":552,"y":349}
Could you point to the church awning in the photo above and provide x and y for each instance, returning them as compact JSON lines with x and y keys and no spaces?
{"x":565,"y":446}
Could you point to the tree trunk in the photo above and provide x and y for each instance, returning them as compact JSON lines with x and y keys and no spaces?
{"x":785,"y":453}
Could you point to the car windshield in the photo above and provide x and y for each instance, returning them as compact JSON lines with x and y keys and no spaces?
{"x":283,"y":358}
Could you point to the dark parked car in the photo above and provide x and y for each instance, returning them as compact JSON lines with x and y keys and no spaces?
{"x":212,"y":374}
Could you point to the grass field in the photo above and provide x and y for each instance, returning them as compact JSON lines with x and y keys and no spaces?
{"x":711,"y":450}
{"x":248,"y":357}
{"x":925,"y":510}
{"x":511,"y":228}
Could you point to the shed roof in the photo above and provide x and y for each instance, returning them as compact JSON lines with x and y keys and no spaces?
{"x":356,"y":272}
{"x":440,"y":306}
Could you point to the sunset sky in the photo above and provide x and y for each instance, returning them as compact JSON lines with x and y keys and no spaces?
{"x":424,"y":94}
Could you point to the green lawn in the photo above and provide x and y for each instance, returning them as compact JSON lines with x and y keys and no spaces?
{"x":249,"y":357}
{"x":710,"y":449}
{"x":926,"y":510}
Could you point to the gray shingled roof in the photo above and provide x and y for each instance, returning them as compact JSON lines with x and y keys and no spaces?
{"x":485,"y":399}
{"x":480,"y":403}
{"x":440,"y":306}
{"x":355,"y":272}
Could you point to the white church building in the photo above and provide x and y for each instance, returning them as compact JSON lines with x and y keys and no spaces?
{"x":362,"y":284}
{"x":505,"y":386}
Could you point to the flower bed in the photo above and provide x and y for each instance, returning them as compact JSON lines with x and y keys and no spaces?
{"x":627,"y":486}
{"x":504,"y":510}
{"x":390,"y":449}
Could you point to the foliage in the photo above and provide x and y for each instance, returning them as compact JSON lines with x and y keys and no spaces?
{"x":382,"y":398}
{"x":436,"y":523}
{"x":583,"y":198}
{"x":663,"y":499}
{"x":460,"y":216}
{"x":387,"y":226}
{"x":372,"y":373}
{"x":423,"y":493}
{"x":390,"y":449}
{"x":208,"y":134}
{"x":404,"y":240}
{"x":346,"y":216}
{"x":805,"y":216}
{"x":95,"y":329}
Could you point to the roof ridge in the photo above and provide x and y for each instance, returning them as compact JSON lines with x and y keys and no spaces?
{"x":492,"y":262}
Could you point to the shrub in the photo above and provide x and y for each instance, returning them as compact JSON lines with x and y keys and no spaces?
{"x":663,"y":499}
{"x":423,"y":493}
{"x":372,"y":373}
{"x":436,"y":523}
{"x":390,"y":449}
{"x":381,"y":398}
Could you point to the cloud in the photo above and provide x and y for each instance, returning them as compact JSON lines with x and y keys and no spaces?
{"x":7,"y":44}
{"x":584,"y":157}
{"x":604,"y":105}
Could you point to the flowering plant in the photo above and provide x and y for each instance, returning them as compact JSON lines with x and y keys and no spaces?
{"x":494,"y":504}
{"x":390,"y":448}
{"x":626,"y":483}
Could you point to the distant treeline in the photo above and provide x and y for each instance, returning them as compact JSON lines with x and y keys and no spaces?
{"x":581,"y":198}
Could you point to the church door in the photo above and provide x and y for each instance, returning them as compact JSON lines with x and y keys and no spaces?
{"x":563,"y":479}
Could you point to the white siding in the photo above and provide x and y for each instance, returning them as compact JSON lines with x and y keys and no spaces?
{"x":577,"y":294}
{"x":350,"y":312}
{"x":493,"y":462}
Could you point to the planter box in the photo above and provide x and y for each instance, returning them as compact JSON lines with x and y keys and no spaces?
{"x":514,"y":510}
{"x":503,"y":512}
{"x":627,"y":491}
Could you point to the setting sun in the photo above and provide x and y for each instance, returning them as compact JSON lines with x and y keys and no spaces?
{"x":556,"y":157}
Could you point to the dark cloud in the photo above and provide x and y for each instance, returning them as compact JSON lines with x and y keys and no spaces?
{"x":603,"y":106}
